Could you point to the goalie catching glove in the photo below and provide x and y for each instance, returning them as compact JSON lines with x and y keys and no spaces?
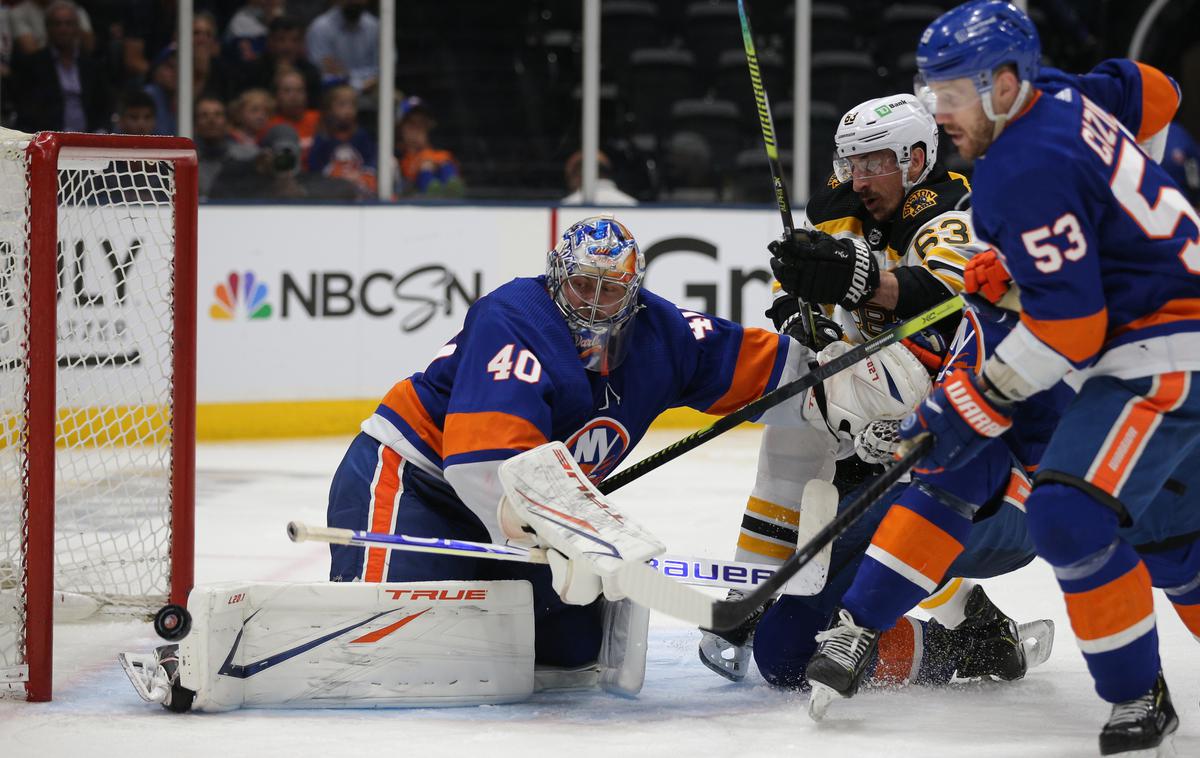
{"x":822,"y":269}
{"x":550,"y":502}
{"x":886,"y":385}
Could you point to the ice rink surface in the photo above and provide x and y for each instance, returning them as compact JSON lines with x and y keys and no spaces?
{"x":247,"y":492}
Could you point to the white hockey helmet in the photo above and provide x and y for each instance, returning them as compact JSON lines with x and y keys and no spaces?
{"x":896,"y":123}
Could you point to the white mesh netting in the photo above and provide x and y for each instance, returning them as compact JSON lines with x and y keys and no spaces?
{"x":114,"y":384}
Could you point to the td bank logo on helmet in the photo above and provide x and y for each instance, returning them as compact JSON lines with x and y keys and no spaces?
{"x":413,"y":297}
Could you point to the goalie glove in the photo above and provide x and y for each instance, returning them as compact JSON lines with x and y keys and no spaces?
{"x":821,"y":269}
{"x":878,"y":442}
{"x":546,"y":494}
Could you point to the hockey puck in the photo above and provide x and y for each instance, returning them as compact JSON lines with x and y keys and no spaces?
{"x":172,"y":622}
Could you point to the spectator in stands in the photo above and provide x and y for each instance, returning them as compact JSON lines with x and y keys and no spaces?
{"x":249,"y":114}
{"x":285,"y":49}
{"x":342,"y":149}
{"x":210,"y":75}
{"x":29,"y":26}
{"x":246,"y":34}
{"x":424,"y":170}
{"x":607,"y":192}
{"x":135,"y":113}
{"x":163,"y":89}
{"x":291,"y":108}
{"x":275,"y":174}
{"x":344,"y":43}
{"x":59,"y":87}
{"x":214,"y":145}
{"x":149,"y":28}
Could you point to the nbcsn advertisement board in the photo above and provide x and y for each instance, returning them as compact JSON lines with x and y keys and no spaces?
{"x":339,"y":303}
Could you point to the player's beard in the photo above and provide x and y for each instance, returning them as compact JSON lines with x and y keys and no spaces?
{"x":978,"y":138}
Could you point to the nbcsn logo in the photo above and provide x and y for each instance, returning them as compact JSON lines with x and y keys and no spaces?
{"x":247,"y":289}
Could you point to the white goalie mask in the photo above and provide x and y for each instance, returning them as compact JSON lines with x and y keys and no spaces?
{"x":897,"y":123}
{"x":886,"y":385}
{"x":594,"y":275}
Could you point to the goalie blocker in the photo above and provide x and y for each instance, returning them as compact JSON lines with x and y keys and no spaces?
{"x":358,"y":645}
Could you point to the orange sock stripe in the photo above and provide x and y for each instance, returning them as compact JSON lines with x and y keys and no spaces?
{"x":897,"y":646}
{"x":383,"y":512}
{"x":762,"y":547}
{"x":767,"y":509}
{"x":1190,"y":614}
{"x":917,"y":542}
{"x":1112,"y":608}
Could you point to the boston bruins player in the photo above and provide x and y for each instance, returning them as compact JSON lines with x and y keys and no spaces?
{"x":885,"y":238}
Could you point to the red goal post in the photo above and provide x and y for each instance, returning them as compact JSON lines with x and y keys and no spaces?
{"x":97,"y":381}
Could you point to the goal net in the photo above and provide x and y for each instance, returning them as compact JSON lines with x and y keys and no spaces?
{"x":97,"y":344}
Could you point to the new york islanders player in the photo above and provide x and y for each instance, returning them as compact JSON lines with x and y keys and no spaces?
{"x":584,"y":355}
{"x":1106,"y":254}
{"x":885,"y":238}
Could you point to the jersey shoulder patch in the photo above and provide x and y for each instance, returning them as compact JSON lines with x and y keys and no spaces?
{"x":944,"y":191}
{"x":836,"y":200}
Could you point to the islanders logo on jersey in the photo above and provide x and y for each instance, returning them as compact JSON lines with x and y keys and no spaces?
{"x":919,"y":201}
{"x":599,"y":446}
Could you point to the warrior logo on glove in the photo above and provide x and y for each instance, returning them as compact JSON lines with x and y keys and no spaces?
{"x":819,"y":268}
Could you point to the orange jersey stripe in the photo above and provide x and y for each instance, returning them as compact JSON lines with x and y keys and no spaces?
{"x":756,"y":359}
{"x":1113,"y":607}
{"x":403,"y":399}
{"x":917,"y":542}
{"x":1191,"y":617}
{"x":1076,"y":338}
{"x":1018,"y":488}
{"x":489,"y":430}
{"x":781,"y":513}
{"x":897,"y":646}
{"x":1181,"y":309}
{"x":383,"y":511}
{"x":762,"y":547}
{"x":1159,"y":101}
{"x":1123,"y":447}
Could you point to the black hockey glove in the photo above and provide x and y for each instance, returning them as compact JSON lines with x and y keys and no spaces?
{"x":788,"y":317}
{"x":820,"y":269}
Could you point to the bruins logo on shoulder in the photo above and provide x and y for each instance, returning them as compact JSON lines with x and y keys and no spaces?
{"x":833,"y":182}
{"x":918,"y":201}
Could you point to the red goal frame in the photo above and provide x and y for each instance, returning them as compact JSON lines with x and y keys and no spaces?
{"x":44,"y":152}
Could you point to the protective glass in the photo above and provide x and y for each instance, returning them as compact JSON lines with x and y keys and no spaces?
{"x":945,"y":96}
{"x":868,"y":166}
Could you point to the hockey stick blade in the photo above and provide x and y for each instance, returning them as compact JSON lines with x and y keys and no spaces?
{"x":644,"y":586}
{"x":782,"y":394}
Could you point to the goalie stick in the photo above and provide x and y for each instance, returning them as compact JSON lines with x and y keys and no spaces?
{"x":700,"y":572}
{"x":647,"y":587}
{"x":781,"y":394}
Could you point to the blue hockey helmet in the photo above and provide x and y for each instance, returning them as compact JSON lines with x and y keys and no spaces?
{"x":972,"y":41}
{"x":594,"y":275}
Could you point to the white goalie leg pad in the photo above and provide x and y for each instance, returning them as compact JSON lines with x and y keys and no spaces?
{"x":623,"y":647}
{"x":358,"y":645}
{"x":545,"y":489}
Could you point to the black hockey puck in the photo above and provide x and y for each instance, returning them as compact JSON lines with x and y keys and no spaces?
{"x":172,"y":622}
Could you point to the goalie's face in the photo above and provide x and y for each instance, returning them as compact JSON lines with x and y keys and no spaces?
{"x":594,"y":275}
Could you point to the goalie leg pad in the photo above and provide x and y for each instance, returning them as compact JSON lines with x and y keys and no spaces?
{"x":358,"y":645}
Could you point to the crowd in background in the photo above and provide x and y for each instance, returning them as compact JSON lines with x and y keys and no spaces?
{"x":488,"y":92}
{"x":285,"y":105}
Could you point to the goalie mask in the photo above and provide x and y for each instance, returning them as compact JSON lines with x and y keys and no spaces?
{"x":594,"y":275}
{"x":897,"y":123}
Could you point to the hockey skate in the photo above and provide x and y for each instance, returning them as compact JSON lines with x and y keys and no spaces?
{"x":996,"y":646}
{"x":728,"y":653}
{"x":1142,"y":726}
{"x":840,"y":662}
{"x":155,"y":676}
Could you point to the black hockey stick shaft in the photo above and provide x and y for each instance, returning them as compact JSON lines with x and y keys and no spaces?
{"x":727,"y":614}
{"x":765,"y":121}
{"x":782,"y":394}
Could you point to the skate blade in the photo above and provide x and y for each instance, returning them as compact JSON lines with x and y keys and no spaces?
{"x":1037,"y":641}
{"x":1165,"y":749}
{"x":819,"y":700}
{"x":142,"y":669}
